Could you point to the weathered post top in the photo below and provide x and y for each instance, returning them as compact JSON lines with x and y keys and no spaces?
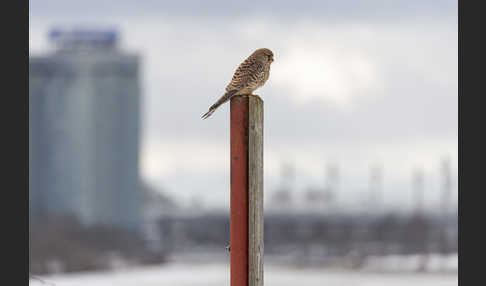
{"x":246,"y":226}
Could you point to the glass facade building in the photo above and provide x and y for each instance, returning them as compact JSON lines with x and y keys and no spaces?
{"x":84,"y":118}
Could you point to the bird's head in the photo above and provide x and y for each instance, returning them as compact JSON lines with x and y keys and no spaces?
{"x":264,"y":55}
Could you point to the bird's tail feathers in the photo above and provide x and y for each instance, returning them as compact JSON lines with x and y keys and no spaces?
{"x":220,"y":101}
{"x":207,"y":114}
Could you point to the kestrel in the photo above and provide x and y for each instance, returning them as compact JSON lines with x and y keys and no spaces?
{"x":250,"y":75}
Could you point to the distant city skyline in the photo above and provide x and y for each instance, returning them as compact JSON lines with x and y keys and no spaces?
{"x":381,"y":89}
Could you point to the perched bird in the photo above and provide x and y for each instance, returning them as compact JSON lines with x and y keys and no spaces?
{"x":250,"y":75}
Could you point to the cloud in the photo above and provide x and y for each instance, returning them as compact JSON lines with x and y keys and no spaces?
{"x":213,"y":10}
{"x":378,"y":87}
{"x":322,"y":70}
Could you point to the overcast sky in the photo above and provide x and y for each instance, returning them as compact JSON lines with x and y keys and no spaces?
{"x":354,"y":83}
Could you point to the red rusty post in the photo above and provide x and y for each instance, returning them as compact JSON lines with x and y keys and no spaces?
{"x":246,"y":214}
{"x":239,"y":192}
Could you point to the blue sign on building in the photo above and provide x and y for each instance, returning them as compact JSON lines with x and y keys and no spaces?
{"x":83,"y":36}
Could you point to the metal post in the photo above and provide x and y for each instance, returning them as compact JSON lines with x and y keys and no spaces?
{"x":246,"y":225}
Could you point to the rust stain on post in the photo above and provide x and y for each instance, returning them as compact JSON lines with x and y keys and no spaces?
{"x":246,"y":227}
{"x":239,"y":191}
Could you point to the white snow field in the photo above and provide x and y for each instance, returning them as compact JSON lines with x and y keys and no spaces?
{"x":185,"y":274}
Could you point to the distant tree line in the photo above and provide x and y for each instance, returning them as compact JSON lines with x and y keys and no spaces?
{"x":63,"y":244}
{"x":338,"y":235}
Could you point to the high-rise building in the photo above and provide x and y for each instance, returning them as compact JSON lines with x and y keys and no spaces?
{"x":84,"y":117}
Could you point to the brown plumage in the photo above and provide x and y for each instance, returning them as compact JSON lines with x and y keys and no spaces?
{"x":252,"y":73}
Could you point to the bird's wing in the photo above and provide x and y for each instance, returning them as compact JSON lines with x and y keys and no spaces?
{"x":248,"y":75}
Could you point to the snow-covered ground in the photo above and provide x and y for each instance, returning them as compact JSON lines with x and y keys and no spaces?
{"x":218,"y":274}
{"x":408,"y":263}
